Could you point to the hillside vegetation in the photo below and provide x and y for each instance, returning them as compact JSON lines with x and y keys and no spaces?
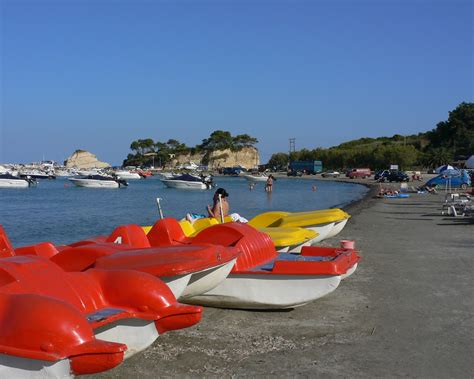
{"x":451,"y":140}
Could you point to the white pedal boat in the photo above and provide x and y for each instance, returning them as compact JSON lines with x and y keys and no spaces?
{"x":261,"y":277}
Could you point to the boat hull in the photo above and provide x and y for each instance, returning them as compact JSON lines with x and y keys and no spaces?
{"x":322,"y":230}
{"x":202,"y":282}
{"x":137,"y":334}
{"x":18,"y":367}
{"x":252,"y":178}
{"x":13,"y":183}
{"x":338,"y":226}
{"x":91,"y":183}
{"x":128,"y":175}
{"x":257,"y":291}
{"x":177,"y":284}
{"x":183,"y":184}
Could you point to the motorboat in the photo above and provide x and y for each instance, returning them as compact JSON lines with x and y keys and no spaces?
{"x":188,"y":181}
{"x":9,"y":180}
{"x":327,"y":222}
{"x":187,"y":270}
{"x":37,"y":174}
{"x":262,"y":278}
{"x":255,"y":178}
{"x":289,"y":239}
{"x":127,"y":175}
{"x":56,"y":324}
{"x":98,"y":181}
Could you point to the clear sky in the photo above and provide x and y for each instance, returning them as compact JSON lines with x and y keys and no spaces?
{"x":97,"y":75}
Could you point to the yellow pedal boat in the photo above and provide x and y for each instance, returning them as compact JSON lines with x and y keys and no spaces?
{"x":326,"y":222}
{"x":286,"y":239}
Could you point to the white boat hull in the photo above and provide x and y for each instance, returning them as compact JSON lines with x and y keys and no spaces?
{"x":338,"y":226}
{"x":13,"y":183}
{"x":128,"y":175}
{"x":92,"y":183}
{"x":17,"y":367}
{"x":137,"y":334}
{"x":204,"y":281}
{"x":252,"y":178}
{"x":183,"y":184}
{"x":322,"y":230}
{"x":254,"y":291}
{"x":177,"y":284}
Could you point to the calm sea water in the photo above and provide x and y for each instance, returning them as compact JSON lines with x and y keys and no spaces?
{"x":59,"y":212}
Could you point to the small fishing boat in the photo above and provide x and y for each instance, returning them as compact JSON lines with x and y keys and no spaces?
{"x":98,"y":181}
{"x":188,"y":181}
{"x":9,"y":180}
{"x":262,"y":278}
{"x":56,"y":324}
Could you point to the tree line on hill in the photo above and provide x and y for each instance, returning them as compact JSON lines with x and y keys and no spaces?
{"x":147,"y":152}
{"x":451,"y":140}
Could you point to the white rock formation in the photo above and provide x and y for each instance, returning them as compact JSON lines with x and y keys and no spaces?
{"x":82,"y":159}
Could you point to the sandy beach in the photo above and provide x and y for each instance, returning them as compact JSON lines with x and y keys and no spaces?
{"x":407,"y":310}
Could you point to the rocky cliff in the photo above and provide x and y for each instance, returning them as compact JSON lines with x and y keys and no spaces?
{"x":83,"y":159}
{"x":248,"y":157}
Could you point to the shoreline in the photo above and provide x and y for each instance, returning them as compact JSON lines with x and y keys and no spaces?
{"x":406,"y":311}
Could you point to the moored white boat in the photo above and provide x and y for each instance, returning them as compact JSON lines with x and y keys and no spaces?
{"x":255,"y":178}
{"x":187,"y":181}
{"x":98,"y":181}
{"x":8,"y":180}
{"x":127,"y":175}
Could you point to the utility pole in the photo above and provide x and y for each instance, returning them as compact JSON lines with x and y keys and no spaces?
{"x":292,"y":150}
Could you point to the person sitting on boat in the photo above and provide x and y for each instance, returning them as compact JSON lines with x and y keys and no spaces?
{"x":215,"y":210}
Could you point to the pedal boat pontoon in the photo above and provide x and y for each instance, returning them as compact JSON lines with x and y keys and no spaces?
{"x":262,"y":278}
{"x":57,"y":324}
{"x":187,"y":270}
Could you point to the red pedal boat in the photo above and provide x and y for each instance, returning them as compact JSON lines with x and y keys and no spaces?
{"x":262,"y":278}
{"x":57,"y":324}
{"x":187,"y":270}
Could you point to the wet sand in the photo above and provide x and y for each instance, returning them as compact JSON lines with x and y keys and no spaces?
{"x":407,"y":311}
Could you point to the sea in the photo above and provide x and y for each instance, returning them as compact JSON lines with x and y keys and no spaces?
{"x":59,"y":212}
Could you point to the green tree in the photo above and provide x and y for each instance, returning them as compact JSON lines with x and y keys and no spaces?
{"x":279,"y":161}
{"x":457,"y":133}
{"x":243,"y":140}
{"x":218,"y":140}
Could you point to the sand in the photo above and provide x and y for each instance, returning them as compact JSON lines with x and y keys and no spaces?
{"x":407,"y":311}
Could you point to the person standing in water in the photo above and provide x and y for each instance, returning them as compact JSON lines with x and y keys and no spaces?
{"x":269,"y":185}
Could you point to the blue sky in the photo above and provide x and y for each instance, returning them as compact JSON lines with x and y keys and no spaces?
{"x":97,"y":75}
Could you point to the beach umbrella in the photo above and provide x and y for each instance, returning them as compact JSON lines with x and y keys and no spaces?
{"x":470,"y":162}
{"x":442,"y":169}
